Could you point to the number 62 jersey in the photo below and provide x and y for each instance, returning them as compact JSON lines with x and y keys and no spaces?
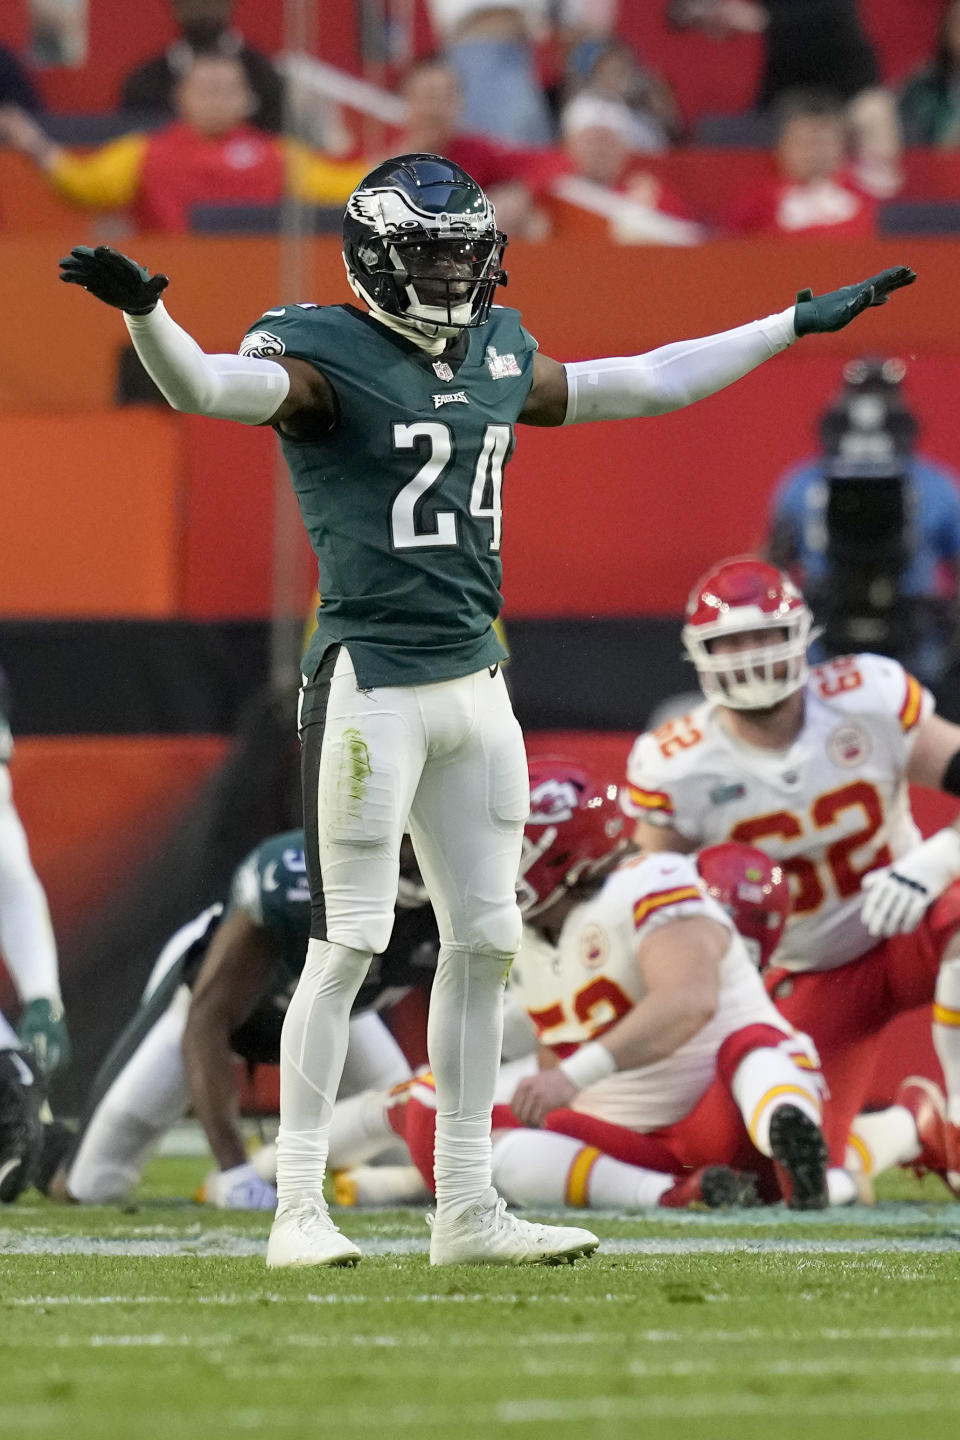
{"x":831,"y":808}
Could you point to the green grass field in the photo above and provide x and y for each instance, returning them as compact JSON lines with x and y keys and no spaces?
{"x":160,"y":1322}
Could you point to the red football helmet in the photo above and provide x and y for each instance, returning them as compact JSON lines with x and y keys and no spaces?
{"x":575,"y":830}
{"x":752,"y":889}
{"x":746,"y":594}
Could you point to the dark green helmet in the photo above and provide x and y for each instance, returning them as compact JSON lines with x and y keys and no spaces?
{"x":421,"y":244}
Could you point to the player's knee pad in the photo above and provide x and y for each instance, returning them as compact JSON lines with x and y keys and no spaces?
{"x":362,"y":923}
{"x":492,"y":929}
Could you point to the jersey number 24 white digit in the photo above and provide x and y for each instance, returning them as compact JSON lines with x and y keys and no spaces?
{"x":485,"y":494}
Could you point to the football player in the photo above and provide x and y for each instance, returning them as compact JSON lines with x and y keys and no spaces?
{"x":814,"y":766}
{"x":21,"y":1105}
{"x":664,"y":1070}
{"x":396,"y":417}
{"x":218,"y":991}
{"x":26,"y":935}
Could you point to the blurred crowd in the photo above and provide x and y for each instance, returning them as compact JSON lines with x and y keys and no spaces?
{"x":538,"y":100}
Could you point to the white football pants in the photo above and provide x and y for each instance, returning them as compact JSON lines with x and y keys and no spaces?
{"x":446,"y":760}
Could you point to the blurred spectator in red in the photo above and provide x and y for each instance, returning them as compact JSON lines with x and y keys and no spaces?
{"x":205,"y":29}
{"x":16,"y":87}
{"x":930,"y":100}
{"x":610,"y":67}
{"x":810,"y":191}
{"x":209,"y":155}
{"x":816,"y":45}
{"x":605,"y":174}
{"x":512,"y":177}
{"x":491,"y":48}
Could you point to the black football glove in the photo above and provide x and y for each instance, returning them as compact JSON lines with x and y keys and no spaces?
{"x":113,"y":278}
{"x":815,"y":315}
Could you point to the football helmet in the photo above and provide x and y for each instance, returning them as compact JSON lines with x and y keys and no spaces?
{"x":746,"y":594}
{"x":753,"y":890}
{"x":575,"y":832}
{"x":421,"y":245}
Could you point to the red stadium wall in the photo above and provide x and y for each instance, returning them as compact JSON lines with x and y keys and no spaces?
{"x":611,"y":521}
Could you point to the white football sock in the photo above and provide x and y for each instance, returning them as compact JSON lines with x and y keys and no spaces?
{"x":380,"y":1185}
{"x":881,"y":1140}
{"x":360,"y":1129}
{"x":841,"y":1187}
{"x":767,"y":1078}
{"x":463,"y":1042}
{"x":313,"y":1046}
{"x":946,"y":1032}
{"x":538,"y":1167}
{"x":374,"y":1059}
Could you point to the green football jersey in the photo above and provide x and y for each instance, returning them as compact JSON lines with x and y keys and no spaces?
{"x":402,"y":501}
{"x":271,"y":886}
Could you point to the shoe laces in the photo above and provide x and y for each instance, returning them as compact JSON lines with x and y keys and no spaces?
{"x":313,"y":1211}
{"x":502,"y":1219}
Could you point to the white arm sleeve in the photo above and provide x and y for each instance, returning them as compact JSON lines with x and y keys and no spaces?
{"x":227,"y":387}
{"x":673,"y":376}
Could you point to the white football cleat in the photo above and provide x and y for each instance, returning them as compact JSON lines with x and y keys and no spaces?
{"x":303,"y":1234}
{"x":487,"y":1234}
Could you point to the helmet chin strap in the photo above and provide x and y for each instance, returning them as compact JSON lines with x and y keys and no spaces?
{"x":425,"y":334}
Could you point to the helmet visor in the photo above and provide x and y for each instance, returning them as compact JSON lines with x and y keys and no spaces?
{"x":444,"y":274}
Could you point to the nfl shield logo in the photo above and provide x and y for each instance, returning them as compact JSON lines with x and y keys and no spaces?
{"x":442,"y":370}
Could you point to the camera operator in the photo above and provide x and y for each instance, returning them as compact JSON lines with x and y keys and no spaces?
{"x":871,"y":529}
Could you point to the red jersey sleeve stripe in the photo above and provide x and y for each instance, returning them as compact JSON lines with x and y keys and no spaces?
{"x":649,"y":903}
{"x":912,"y":705}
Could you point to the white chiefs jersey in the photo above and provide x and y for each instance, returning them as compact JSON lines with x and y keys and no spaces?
{"x":576,"y":990}
{"x":831,"y":808}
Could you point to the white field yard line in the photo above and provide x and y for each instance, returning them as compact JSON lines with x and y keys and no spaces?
{"x":867,"y":1334}
{"x":888,"y":1215}
{"x":371,"y":1419}
{"x":238,"y":1244}
{"x":753,"y":1367}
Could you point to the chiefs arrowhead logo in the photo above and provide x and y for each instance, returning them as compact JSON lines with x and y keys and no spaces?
{"x":553,"y":801}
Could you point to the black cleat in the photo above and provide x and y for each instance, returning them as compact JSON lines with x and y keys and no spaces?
{"x":800,"y":1152}
{"x":715,"y":1186}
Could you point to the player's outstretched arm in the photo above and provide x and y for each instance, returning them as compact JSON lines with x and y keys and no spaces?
{"x":676,"y":375}
{"x":227,"y":387}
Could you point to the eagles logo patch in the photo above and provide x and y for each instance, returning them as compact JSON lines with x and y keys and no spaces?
{"x":261,"y":343}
